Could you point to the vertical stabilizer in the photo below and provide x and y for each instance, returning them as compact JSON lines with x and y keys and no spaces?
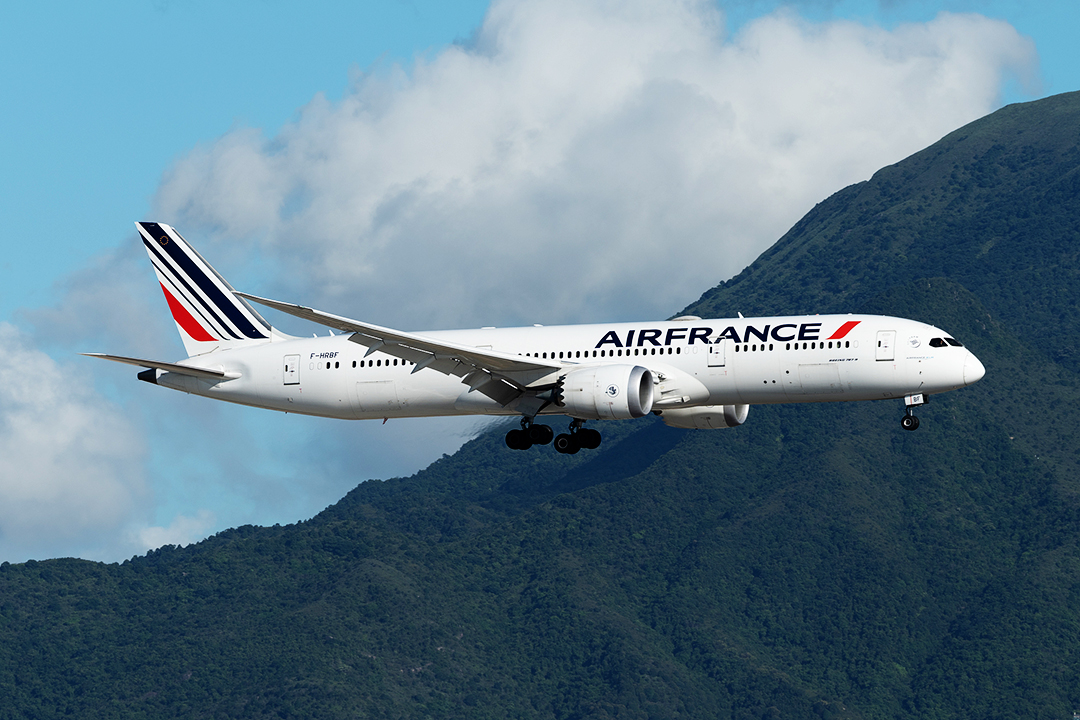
{"x":207,"y":313}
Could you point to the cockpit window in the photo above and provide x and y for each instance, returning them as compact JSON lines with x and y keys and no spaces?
{"x":954,"y":343}
{"x":937,"y":342}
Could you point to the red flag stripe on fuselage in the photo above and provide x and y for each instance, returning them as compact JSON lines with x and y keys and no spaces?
{"x":184,"y":319}
{"x":843,"y":330}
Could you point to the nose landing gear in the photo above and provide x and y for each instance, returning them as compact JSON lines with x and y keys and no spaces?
{"x":909,"y":421}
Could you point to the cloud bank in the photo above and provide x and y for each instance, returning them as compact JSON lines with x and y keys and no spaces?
{"x":582,"y":161}
{"x":71,"y":465}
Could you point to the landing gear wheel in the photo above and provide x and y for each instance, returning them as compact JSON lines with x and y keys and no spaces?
{"x":566,"y":444}
{"x":588,"y":439}
{"x":909,"y":422}
{"x":518,"y":440}
{"x":540,"y":434}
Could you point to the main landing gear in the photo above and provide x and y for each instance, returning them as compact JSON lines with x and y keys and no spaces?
{"x":568,"y":443}
{"x":576,"y":438}
{"x":529,"y":435}
{"x":909,"y":421}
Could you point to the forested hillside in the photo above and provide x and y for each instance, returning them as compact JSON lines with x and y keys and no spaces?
{"x":816,"y":562}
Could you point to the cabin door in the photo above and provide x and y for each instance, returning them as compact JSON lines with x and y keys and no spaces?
{"x":717,"y":354}
{"x":292,"y":370}
{"x":886,"y":340}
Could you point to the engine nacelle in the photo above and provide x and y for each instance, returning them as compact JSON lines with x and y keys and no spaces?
{"x":706,"y":417}
{"x":607,"y":392}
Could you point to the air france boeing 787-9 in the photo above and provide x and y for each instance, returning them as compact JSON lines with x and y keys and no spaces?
{"x":693,"y":373}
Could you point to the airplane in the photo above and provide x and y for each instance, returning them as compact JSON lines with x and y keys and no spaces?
{"x":693,"y":373}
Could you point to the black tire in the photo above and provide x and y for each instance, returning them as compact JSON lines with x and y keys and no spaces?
{"x":517,"y":440}
{"x":909,"y":422}
{"x":540,"y":434}
{"x":566,"y":444}
{"x":589,"y":439}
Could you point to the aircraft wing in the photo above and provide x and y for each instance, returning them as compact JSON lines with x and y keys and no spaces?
{"x":168,"y":367}
{"x":500,"y":376}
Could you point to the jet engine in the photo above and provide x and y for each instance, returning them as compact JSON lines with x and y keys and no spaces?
{"x":606,"y":392}
{"x":706,"y":417}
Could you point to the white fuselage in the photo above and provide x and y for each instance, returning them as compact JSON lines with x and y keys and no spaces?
{"x":695,"y":363}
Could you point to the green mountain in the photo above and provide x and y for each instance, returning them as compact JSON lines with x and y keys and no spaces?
{"x":816,"y":562}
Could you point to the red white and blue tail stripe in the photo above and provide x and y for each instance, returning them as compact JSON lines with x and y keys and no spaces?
{"x":202,"y":303}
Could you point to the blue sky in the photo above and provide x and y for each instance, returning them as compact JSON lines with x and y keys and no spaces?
{"x":100,"y":98}
{"x":121,"y":111}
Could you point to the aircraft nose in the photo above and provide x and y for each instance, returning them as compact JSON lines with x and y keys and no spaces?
{"x":973,"y":369}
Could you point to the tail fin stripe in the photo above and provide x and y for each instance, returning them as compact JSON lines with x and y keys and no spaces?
{"x":212,"y":296}
{"x":244,"y":307}
{"x":198,"y":311}
{"x":182,"y":289}
{"x":184,"y":319}
{"x":193,"y":298}
{"x":215,"y":294}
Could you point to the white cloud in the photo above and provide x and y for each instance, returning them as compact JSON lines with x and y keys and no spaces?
{"x":582,"y":160}
{"x":71,"y":465}
{"x":113,"y":304}
{"x":182,"y":531}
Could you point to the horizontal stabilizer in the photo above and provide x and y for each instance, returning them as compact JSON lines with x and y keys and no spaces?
{"x":156,"y":365}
